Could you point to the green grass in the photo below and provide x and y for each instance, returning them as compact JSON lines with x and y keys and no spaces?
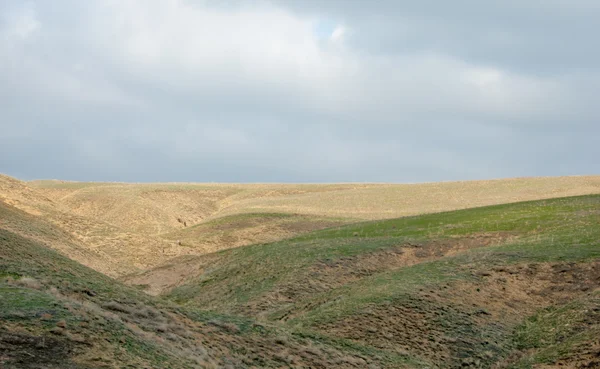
{"x":521,"y":217}
{"x":24,"y":257}
{"x":555,"y":332}
{"x":558,"y":229}
{"x":57,"y":289}
{"x":23,"y":304}
{"x":392,"y":359}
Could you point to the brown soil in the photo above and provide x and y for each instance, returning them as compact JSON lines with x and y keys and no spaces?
{"x":168,"y":276}
{"x":330,"y":274}
{"x":256,"y":349}
{"x":509,"y":292}
{"x":480,"y":312}
{"x":25,"y":350}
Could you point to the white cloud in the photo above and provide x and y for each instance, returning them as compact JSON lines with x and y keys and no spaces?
{"x":484,"y":77}
{"x":189,"y":43}
{"x":20,"y":21}
{"x":193,"y":48}
{"x":259,"y":81}
{"x":338,"y":33}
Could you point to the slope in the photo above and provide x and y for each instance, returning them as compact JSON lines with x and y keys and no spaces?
{"x":169,"y":210}
{"x":91,"y":242}
{"x":155,"y":208}
{"x":56,"y":313}
{"x":101,"y":245}
{"x":448,"y":289}
{"x":244,"y":229}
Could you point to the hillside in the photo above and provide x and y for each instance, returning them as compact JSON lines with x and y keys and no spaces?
{"x":57,"y":313}
{"x":331,"y":281}
{"x":142,"y":225}
{"x":466,"y":288}
{"x":130,"y":228}
{"x":156,"y":208}
{"x":90,"y":241}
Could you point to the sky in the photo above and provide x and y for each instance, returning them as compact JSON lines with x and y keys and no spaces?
{"x":298,"y":91}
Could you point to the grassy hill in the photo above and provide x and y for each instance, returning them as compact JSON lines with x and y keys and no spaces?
{"x":57,"y":313}
{"x":326,"y":277}
{"x":445,"y":289}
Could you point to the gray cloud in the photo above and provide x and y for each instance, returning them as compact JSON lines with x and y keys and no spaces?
{"x":298,"y":91}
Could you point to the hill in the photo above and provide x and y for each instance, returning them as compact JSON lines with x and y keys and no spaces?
{"x":90,"y":241}
{"x":158,"y":208}
{"x":142,"y":225}
{"x":470,"y":288}
{"x":331,"y":279}
{"x":57,"y":313}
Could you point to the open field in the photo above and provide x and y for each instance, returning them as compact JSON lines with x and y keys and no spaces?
{"x":322,"y":276}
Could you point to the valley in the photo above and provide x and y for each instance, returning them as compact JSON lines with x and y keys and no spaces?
{"x":481,"y":274}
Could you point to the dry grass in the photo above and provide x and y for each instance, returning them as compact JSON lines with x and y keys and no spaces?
{"x":381,"y":201}
{"x":245,"y":229}
{"x":119,"y":228}
{"x":156,"y":207}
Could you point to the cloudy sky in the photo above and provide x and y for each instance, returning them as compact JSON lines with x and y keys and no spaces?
{"x":299,"y":90}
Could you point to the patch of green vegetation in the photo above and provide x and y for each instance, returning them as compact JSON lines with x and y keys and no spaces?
{"x":137,"y":348}
{"x":385,"y":285}
{"x":382,"y":287}
{"x":556,"y":332}
{"x":524,"y":217}
{"x":23,"y":304}
{"x":25,"y":257}
{"x":9,"y":275}
{"x":230,"y":225}
{"x":239,"y":324}
{"x":389,"y":358}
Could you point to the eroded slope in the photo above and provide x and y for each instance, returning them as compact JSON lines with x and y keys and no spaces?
{"x":448,"y":290}
{"x":56,"y":313}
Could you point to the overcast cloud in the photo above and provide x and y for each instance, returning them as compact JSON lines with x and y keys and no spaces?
{"x":299,"y":91}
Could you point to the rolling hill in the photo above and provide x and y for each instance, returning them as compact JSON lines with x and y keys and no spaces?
{"x":57,"y":313}
{"x":470,"y":288}
{"x":482,"y":274}
{"x":142,"y":225}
